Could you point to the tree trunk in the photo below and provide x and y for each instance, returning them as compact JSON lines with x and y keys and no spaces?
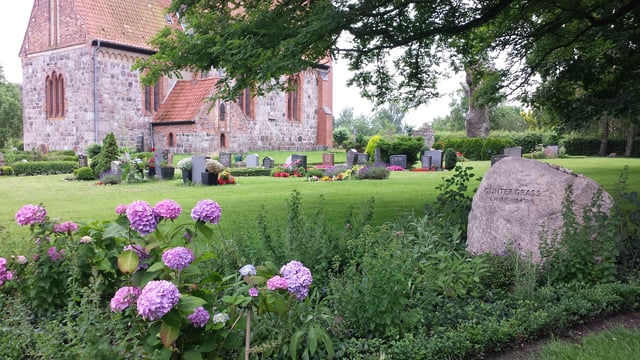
{"x":477,"y":122}
{"x":605,"y":139}
{"x":628,"y":149}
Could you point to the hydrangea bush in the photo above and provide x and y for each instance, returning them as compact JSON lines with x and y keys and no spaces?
{"x":150,"y":265}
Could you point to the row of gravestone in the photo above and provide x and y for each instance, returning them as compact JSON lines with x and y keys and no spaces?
{"x":429,"y":159}
{"x":550,"y":151}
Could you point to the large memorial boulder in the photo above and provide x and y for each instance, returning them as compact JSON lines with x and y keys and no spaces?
{"x":521,"y":200}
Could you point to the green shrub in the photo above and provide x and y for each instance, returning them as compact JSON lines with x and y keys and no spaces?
{"x":372,"y":145}
{"x":84,"y":173}
{"x":450,"y":159}
{"x":101,"y":163}
{"x":581,"y":145}
{"x":495,"y":146}
{"x":93,"y":150}
{"x":372,"y":172}
{"x":251,"y":172}
{"x":44,"y":168}
{"x":6,"y":170}
{"x":402,"y":145}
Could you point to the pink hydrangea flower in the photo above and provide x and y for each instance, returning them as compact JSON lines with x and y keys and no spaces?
{"x":31,"y":215}
{"x":206,"y":211}
{"x":142,"y":217}
{"x":177,"y":258}
{"x":65,"y":227}
{"x":277,"y":282}
{"x":55,"y":254}
{"x":254,"y":292}
{"x":168,"y":209}
{"x":5,"y":275}
{"x":200,"y":317}
{"x":298,"y":278}
{"x":125,"y":297}
{"x":121,"y":209}
{"x":157,"y":298}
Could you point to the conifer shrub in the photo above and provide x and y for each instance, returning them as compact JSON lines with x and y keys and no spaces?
{"x":450,"y":159}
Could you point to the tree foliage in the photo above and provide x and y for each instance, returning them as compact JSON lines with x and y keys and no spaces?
{"x":10,"y":111}
{"x":396,"y":49}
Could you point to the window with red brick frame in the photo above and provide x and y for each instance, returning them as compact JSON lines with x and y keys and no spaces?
{"x":54,"y":96}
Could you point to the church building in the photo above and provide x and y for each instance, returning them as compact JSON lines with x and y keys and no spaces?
{"x":78,"y":86}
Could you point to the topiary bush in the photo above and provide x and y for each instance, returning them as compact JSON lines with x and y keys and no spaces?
{"x":450,"y":159}
{"x":372,"y":145}
{"x":101,"y":163}
{"x":84,"y":173}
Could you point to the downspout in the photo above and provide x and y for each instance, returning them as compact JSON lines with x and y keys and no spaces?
{"x":95,"y":91}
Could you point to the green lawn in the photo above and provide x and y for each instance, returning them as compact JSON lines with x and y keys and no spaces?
{"x":618,"y":343}
{"x":402,"y":194}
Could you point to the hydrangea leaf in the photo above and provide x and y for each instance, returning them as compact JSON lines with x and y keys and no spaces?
{"x":169,"y":334}
{"x":128,"y":261}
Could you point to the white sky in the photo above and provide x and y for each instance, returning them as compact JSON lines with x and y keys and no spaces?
{"x":14,"y":25}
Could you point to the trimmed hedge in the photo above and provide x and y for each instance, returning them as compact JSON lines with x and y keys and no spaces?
{"x":44,"y":167}
{"x":6,"y":170}
{"x":476,"y":148}
{"x":250,"y":172}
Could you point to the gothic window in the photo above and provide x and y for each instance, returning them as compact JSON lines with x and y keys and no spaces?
{"x":245,"y":101}
{"x":171,"y":141}
{"x":54,"y":96}
{"x":152,"y":98}
{"x":294,"y":99}
{"x":223,"y":141}
{"x":222,"y":112}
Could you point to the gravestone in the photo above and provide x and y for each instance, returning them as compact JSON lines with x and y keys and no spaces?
{"x":351,"y":157}
{"x":225,"y":159}
{"x":252,"y":160}
{"x":436,"y":158}
{"x":377,"y":158}
{"x":268,"y":163}
{"x":398,"y":160}
{"x":140,"y":143}
{"x":496,"y":158}
{"x":115,"y":166}
{"x":301,"y":158}
{"x":551,"y":151}
{"x":362,"y":158}
{"x":513,"y":151}
{"x":197,"y":168}
{"x":327,"y":159}
{"x":426,"y":161}
{"x":82,"y":161}
{"x":520,"y":198}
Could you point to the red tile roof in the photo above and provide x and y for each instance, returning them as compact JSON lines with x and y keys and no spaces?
{"x":124,"y":22}
{"x":185,"y":101}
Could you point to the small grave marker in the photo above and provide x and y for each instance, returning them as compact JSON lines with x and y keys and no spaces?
{"x":252,"y":160}
{"x":426,"y":161}
{"x":513,"y":151}
{"x":225,"y":159}
{"x":436,"y":158}
{"x":351,"y":157}
{"x":362,"y":158}
{"x":197,"y":168}
{"x":327,"y":159}
{"x":398,"y":160}
{"x":82,"y":161}
{"x":302,"y":158}
{"x":268,"y":163}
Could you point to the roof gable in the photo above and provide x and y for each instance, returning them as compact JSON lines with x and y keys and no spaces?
{"x":124,"y":22}
{"x":186,"y":101}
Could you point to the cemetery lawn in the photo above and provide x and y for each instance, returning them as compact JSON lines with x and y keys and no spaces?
{"x":403,"y":194}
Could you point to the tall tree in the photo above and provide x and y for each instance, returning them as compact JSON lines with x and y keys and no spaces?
{"x":395,"y":49}
{"x":10,"y":111}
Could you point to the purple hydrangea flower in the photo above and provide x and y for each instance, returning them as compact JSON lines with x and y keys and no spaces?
{"x":65,"y":227}
{"x":142,"y":217}
{"x":121,"y":209}
{"x":125,"y":297}
{"x":220,"y":318}
{"x":5,"y":275}
{"x":277,"y":282}
{"x":168,"y":209}
{"x":54,"y":254}
{"x":254,"y":292}
{"x":177,"y":258}
{"x":199,"y":317}
{"x":248,"y":270}
{"x":206,"y":211}
{"x":298,"y":278}
{"x":31,"y":214}
{"x":157,"y":298}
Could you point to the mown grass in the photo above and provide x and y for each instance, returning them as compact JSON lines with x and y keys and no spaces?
{"x":402,"y":194}
{"x":617,"y":343}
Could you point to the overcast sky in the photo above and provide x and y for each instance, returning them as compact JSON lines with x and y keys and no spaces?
{"x":14,"y":25}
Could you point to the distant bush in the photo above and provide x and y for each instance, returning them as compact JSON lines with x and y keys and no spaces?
{"x":401,"y":145}
{"x":44,"y":167}
{"x":84,"y":173}
{"x":450,"y":159}
{"x":250,"y":172}
{"x":6,"y":170}
{"x":373,"y":173}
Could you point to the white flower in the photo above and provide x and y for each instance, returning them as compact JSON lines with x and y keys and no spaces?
{"x":220,"y":318}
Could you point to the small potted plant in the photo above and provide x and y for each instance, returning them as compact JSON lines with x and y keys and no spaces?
{"x":185,"y":166}
{"x":151,"y":164}
{"x":212,"y":169}
{"x":167,"y":171}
